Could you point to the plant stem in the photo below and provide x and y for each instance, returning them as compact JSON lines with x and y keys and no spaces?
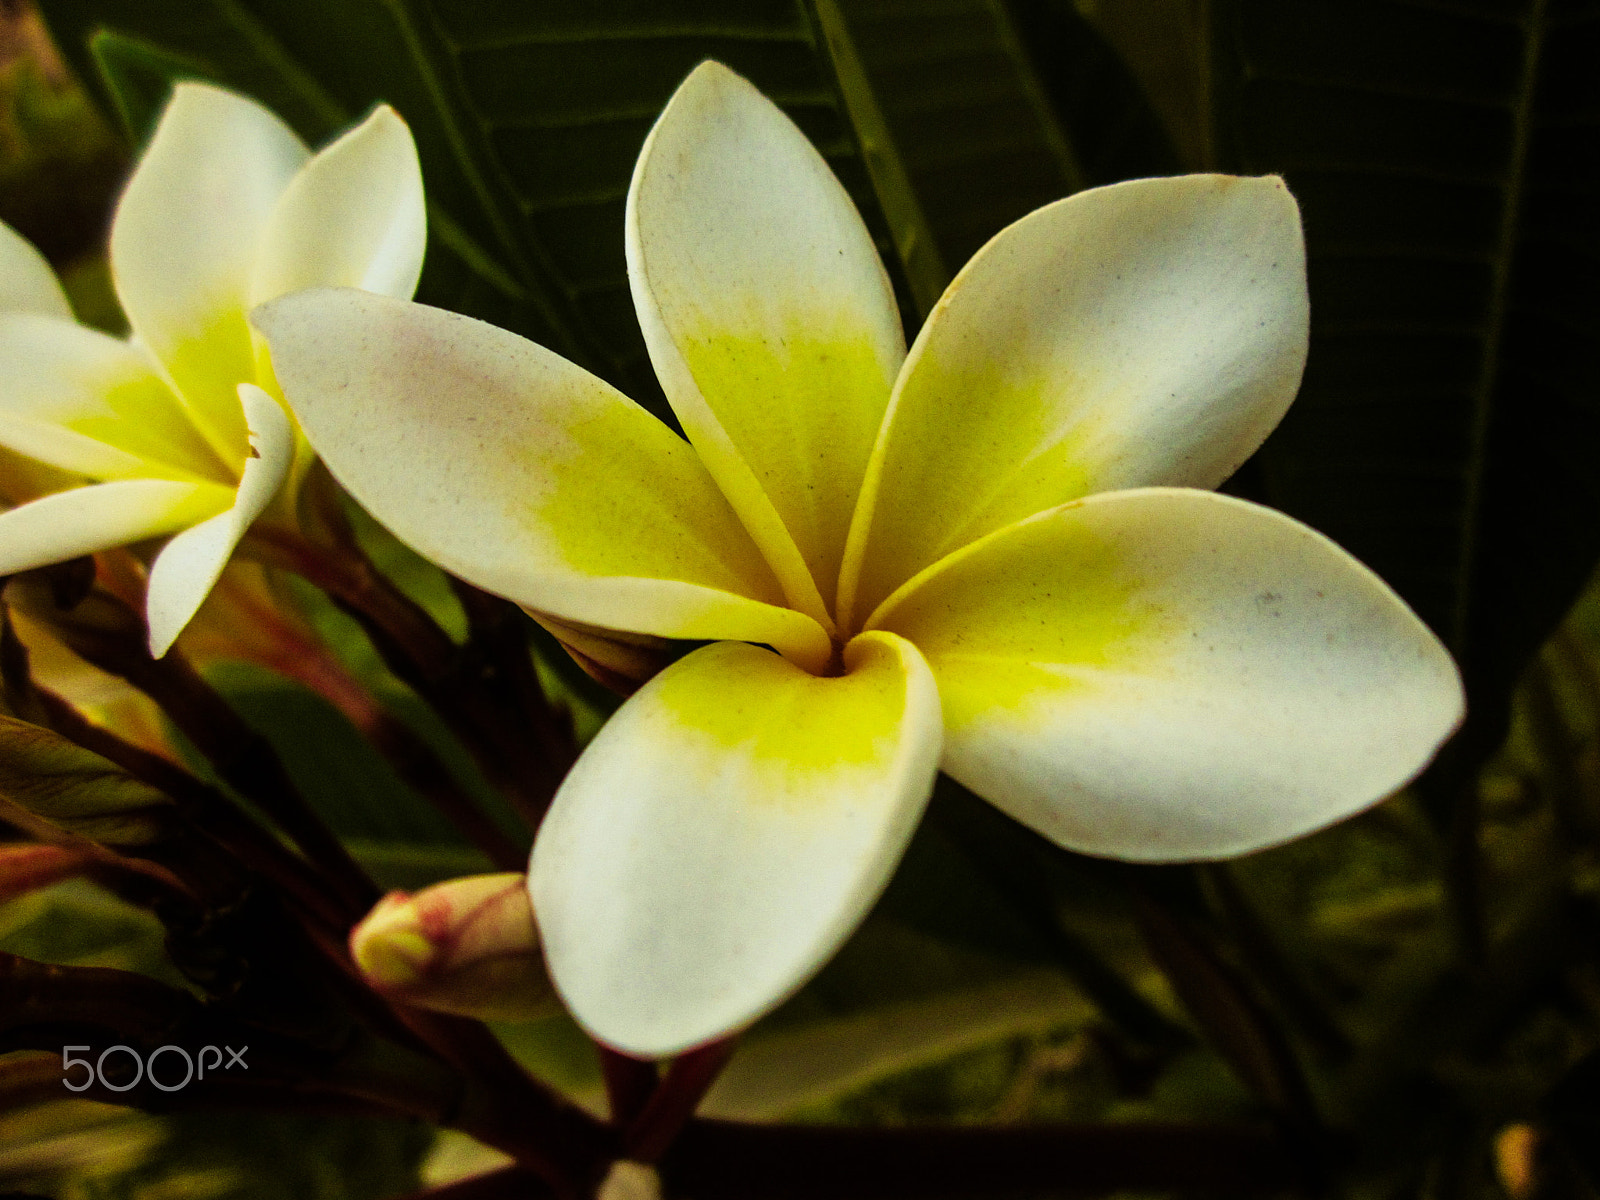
{"x":102,"y":630}
{"x":418,"y":766}
{"x":630,"y":1082}
{"x":213,"y":817}
{"x":676,"y":1097}
{"x":1267,"y":963}
{"x":455,"y":681}
{"x":1464,"y":875}
{"x":1235,"y":1022}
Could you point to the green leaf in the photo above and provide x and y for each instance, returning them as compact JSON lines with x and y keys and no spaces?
{"x":1447,"y":431}
{"x":75,"y":789}
{"x":412,"y":865}
{"x":974,"y":878}
{"x":1572,"y":1110}
{"x":1110,"y":120}
{"x":946,"y":120}
{"x":71,"y":1147}
{"x":139,"y":77}
{"x":894,"y":1025}
{"x":77,"y":923}
{"x":60,"y":161}
{"x":342,"y":776}
{"x":1162,"y":43}
{"x":926,"y":274}
{"x":1000,"y":106}
{"x":219,"y":1152}
{"x":894,"y":998}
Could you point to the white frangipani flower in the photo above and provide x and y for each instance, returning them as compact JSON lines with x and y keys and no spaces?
{"x":180,"y":430}
{"x":989,"y":556}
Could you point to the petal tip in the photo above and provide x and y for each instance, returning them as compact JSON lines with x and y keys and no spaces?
{"x":198,"y":94}
{"x":387,"y":114}
{"x":385,"y":121}
{"x":166,"y":618}
{"x":711,"y":73}
{"x":711,"y":86}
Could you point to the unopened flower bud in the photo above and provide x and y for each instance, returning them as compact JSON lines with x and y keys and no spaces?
{"x":467,"y":946}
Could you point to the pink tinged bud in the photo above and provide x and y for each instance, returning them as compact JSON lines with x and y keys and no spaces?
{"x":467,"y":946}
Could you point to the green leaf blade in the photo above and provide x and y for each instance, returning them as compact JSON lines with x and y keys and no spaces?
{"x":77,"y":791}
{"x":1430,"y":148}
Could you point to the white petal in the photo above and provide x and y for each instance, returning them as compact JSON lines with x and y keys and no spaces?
{"x":185,"y":240}
{"x":183,"y":573}
{"x":94,"y":405}
{"x":352,"y":217}
{"x":768,"y":317}
{"x":1151,"y":332}
{"x":725,"y":832}
{"x":27,"y":284}
{"x":89,"y":519}
{"x":512,"y":468}
{"x":1170,"y":674}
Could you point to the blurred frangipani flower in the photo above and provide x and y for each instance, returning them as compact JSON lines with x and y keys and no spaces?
{"x":179,"y":432}
{"x":991,"y":556}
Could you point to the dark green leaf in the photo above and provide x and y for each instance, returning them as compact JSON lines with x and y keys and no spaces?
{"x":75,"y":789}
{"x":78,"y":923}
{"x":342,"y":776}
{"x":412,"y":865}
{"x":893,"y":999}
{"x":139,"y":77}
{"x":926,"y":274}
{"x":60,"y":162}
{"x":975,"y":878}
{"x":1000,"y":107}
{"x":1163,"y":45}
{"x":1572,"y":1110}
{"x":1443,"y":154}
{"x":1113,"y":129}
{"x":278,"y":1156}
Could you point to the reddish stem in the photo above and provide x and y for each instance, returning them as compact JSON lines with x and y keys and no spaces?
{"x":630,"y":1082}
{"x":509,"y":743}
{"x":676,"y":1097}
